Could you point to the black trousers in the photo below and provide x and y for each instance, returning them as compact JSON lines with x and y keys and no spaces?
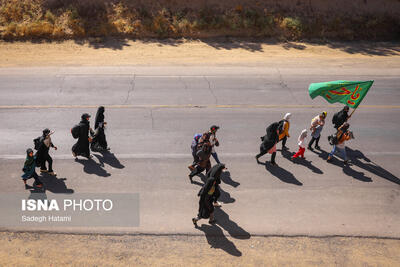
{"x":284,"y":141}
{"x":262,"y":153}
{"x":312,"y":141}
{"x":46,"y":157}
{"x":197,"y":170}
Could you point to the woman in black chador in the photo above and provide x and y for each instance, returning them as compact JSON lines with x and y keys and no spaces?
{"x":209,"y":194}
{"x":81,"y":148}
{"x":216,"y":172}
{"x":269,"y":141}
{"x":99,"y":142}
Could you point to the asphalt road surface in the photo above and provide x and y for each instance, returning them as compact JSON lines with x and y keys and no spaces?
{"x":152,"y":115}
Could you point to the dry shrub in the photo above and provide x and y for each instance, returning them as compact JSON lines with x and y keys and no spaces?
{"x":292,"y":27}
{"x":85,"y":18}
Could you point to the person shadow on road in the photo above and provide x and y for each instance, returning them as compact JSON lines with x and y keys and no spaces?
{"x":92,"y":167}
{"x":306,"y":163}
{"x":110,"y":159}
{"x":217,"y":239}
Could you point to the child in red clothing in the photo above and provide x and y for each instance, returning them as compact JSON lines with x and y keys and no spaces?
{"x":302,"y":145}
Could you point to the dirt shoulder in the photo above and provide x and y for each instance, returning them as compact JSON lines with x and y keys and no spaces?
{"x":34,"y":249}
{"x":183,"y":52}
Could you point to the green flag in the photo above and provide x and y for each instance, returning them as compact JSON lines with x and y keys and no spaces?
{"x":350,"y":93}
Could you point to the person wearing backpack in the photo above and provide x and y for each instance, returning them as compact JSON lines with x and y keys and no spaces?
{"x":204,"y":149}
{"x":29,"y":169}
{"x":340,"y":117}
{"x":194,"y":145}
{"x":81,"y":147}
{"x":269,"y":142}
{"x":284,"y":126}
{"x":317,"y":124}
{"x":43,"y":155}
{"x":343,"y":134}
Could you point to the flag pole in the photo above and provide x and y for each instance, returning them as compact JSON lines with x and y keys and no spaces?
{"x":351,"y":114}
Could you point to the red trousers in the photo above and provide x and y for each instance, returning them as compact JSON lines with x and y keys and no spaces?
{"x":300,"y":152}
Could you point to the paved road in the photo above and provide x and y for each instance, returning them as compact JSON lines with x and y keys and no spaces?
{"x":153,"y":113}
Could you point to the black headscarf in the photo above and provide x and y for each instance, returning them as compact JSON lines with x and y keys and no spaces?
{"x":216,"y":171}
{"x":99,"y":117}
{"x":46,"y":132}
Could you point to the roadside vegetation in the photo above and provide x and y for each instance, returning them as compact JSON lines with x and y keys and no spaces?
{"x":46,"y":19}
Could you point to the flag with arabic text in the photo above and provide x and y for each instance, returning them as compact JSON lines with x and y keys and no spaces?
{"x":350,"y":93}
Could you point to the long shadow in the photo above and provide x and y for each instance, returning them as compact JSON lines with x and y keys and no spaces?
{"x":217,"y":239}
{"x":357,"y":158}
{"x":92,"y":167}
{"x":56,"y":185}
{"x":281,"y":174}
{"x":226,"y":178}
{"x":306,"y":163}
{"x":355,"y":174}
{"x":202,"y":178}
{"x":225,"y":197}
{"x":110,"y":159}
{"x":230,"y":226}
{"x":346,"y":168}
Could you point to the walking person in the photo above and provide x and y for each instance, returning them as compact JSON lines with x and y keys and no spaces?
{"x":216,"y":172}
{"x":343,"y":134}
{"x":81,"y":147}
{"x":193,"y":147}
{"x":284,"y":126}
{"x":340,"y":117}
{"x":302,"y":145}
{"x":29,"y":169}
{"x":269,"y":141}
{"x":43,"y":155}
{"x":208,"y":195}
{"x":317,"y":124}
{"x":204,"y":154}
{"x":99,"y":142}
{"x":214,"y":142}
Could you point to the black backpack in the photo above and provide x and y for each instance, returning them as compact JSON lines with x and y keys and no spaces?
{"x":335,"y":118}
{"x":37,"y":142}
{"x":334,"y":139}
{"x":280,"y":127}
{"x":75,"y":131}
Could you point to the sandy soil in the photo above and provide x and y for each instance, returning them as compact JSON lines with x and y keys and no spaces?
{"x":32,"y":249}
{"x":126,"y":52}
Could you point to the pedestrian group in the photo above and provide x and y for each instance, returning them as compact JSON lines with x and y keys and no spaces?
{"x":203,"y":147}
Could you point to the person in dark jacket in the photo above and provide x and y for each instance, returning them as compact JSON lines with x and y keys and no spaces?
{"x":203,"y":153}
{"x":208,"y":195}
{"x":216,"y":172}
{"x":43,"y":155}
{"x":340,"y":117}
{"x":81,"y":147}
{"x":29,"y":169}
{"x":193,"y":146}
{"x":269,"y":141}
{"x":99,"y":142}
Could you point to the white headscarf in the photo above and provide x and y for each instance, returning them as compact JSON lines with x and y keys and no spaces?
{"x":303,"y":134}
{"x":287,"y":116}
